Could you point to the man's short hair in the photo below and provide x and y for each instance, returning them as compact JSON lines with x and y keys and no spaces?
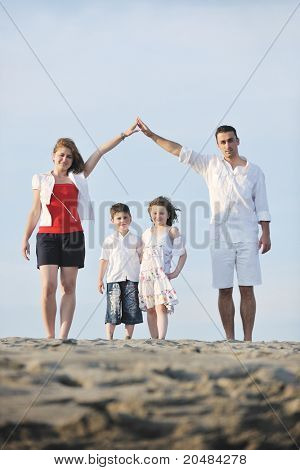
{"x":119,"y":207}
{"x":225,"y":129}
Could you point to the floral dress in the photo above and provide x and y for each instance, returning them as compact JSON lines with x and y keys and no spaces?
{"x":154,"y":286}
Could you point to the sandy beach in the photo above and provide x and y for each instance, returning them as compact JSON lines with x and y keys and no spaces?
{"x":149,"y":394}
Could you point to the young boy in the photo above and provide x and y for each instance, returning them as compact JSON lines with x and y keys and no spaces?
{"x":121,"y":253}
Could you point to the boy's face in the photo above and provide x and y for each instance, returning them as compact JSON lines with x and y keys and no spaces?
{"x":121,"y":221}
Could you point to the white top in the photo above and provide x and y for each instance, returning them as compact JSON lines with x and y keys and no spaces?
{"x":238,"y":199}
{"x":122,"y":253}
{"x":161,"y":244}
{"x":44,"y":182}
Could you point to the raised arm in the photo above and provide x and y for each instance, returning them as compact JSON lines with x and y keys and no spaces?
{"x":167,"y":145}
{"x":104,"y":148}
{"x":32,"y":221}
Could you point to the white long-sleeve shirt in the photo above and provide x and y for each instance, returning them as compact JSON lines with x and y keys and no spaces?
{"x":238,"y":198}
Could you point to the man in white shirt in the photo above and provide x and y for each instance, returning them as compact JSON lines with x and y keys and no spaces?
{"x":121,"y":253}
{"x":238,"y":204}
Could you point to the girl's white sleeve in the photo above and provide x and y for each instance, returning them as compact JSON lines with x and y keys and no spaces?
{"x":178,"y":246}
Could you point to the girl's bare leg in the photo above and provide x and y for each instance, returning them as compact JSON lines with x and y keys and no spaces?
{"x":152,"y":322}
{"x":68,"y":278}
{"x":110,"y":329}
{"x":48,"y":298}
{"x":129,"y":331}
{"x":162,"y":321}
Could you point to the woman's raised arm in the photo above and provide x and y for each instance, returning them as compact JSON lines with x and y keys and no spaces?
{"x":104,"y":148}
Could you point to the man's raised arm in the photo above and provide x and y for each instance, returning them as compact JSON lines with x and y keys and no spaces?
{"x":167,"y":145}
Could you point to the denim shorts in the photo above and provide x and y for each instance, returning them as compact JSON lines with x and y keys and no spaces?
{"x":123,"y":303}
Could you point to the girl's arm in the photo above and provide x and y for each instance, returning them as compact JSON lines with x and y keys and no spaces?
{"x":180,"y":264}
{"x":174,"y":233}
{"x":32,"y":221}
{"x":104,"y":148}
{"x":102,"y":270}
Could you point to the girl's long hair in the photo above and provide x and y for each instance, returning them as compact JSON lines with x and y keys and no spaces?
{"x":165,"y":202}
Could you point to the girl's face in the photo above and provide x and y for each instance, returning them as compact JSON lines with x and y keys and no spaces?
{"x":63,"y":158}
{"x":159,"y":215}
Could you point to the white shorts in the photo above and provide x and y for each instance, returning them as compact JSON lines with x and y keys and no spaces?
{"x":243,"y":256}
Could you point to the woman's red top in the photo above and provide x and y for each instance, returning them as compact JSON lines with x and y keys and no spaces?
{"x":62,"y":221}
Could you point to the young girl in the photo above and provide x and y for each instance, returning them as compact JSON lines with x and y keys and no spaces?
{"x":160,"y":243}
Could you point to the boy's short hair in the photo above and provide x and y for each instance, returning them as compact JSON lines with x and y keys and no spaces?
{"x":119,"y":207}
{"x":225,"y":129}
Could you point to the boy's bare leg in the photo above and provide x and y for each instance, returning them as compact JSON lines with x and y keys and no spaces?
{"x":110,"y":329}
{"x":152,"y":322}
{"x":129,"y":331}
{"x":226,"y":309}
{"x":248,"y":308}
{"x":162,"y":320}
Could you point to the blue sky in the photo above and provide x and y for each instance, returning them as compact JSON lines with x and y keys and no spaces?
{"x":179,"y":65}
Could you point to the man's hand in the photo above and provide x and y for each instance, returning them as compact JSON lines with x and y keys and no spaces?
{"x":145,"y":129}
{"x":101,"y":286}
{"x":132,"y":129}
{"x":265,"y":243}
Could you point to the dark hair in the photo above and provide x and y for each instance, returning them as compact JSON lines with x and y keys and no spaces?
{"x":225,"y":129}
{"x":119,"y":207}
{"x":165,"y":202}
{"x":78,"y":163}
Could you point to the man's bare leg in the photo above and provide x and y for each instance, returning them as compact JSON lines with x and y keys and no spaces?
{"x":226,"y":309}
{"x":248,"y":309}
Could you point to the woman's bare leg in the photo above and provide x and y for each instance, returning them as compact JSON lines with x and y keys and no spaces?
{"x":48,"y":299}
{"x":68,"y":278}
{"x":162,"y":320}
{"x":152,"y":322}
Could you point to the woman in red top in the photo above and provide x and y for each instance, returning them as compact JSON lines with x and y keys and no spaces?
{"x":60,"y":197}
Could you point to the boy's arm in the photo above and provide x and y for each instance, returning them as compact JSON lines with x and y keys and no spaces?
{"x":139,"y":250}
{"x":102,"y":270}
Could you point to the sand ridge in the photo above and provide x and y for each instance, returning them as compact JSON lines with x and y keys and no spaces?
{"x":149,"y":394}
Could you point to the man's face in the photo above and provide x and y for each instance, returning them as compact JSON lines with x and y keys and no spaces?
{"x":228,"y":144}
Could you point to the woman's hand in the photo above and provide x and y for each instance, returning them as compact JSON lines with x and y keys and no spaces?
{"x":132,"y":129}
{"x":145,"y":129}
{"x":26,"y":249}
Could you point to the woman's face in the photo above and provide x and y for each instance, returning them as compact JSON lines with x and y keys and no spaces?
{"x":63,"y":158}
{"x":159,"y":215}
